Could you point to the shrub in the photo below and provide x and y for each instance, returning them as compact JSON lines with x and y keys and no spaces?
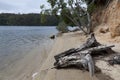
{"x":62,"y":27}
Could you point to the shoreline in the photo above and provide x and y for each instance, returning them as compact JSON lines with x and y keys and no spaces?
{"x":22,"y":51}
{"x":65,"y":42}
{"x":27,"y":66}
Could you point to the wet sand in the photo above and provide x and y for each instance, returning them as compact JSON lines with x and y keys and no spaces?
{"x":22,"y":50}
{"x":28,"y":65}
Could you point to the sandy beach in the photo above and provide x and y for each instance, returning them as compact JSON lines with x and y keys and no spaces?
{"x":27,"y":52}
{"x":72,"y":40}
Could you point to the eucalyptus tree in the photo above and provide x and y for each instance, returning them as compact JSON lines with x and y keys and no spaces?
{"x":71,"y":12}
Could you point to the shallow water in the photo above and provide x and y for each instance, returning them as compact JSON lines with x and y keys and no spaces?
{"x":16,"y":42}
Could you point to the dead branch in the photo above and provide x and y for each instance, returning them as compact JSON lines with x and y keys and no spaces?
{"x":82,"y":57}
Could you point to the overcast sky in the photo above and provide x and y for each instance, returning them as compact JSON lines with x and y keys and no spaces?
{"x":21,"y":6}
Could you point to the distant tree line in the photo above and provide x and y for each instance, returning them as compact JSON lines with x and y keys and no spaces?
{"x":31,"y":19}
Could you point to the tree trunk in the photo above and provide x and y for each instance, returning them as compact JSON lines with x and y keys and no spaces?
{"x":91,"y":42}
{"x":82,"y":56}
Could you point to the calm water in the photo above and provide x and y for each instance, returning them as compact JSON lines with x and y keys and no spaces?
{"x":15,"y":42}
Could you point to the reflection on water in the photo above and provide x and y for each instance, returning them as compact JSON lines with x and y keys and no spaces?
{"x":15,"y":42}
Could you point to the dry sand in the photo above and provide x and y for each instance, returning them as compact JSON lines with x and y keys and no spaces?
{"x":72,"y":40}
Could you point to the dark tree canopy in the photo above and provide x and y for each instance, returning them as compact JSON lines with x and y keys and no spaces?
{"x":27,"y":20}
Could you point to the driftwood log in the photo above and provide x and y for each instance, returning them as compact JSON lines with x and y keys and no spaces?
{"x":91,"y":42}
{"x":114,"y":60}
{"x":82,"y":57}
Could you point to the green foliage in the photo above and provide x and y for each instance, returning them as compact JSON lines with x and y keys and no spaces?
{"x":64,"y":17}
{"x":52,"y":2}
{"x":97,"y":3}
{"x":71,"y":13}
{"x":42,"y":6}
{"x":91,"y":8}
{"x":27,"y":20}
{"x":43,"y":18}
{"x":83,"y":20}
{"x":102,"y":2}
{"x":62,"y":27}
{"x":60,"y":7}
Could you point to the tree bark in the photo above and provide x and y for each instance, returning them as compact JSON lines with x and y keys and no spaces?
{"x":91,"y":42}
{"x":82,"y":57}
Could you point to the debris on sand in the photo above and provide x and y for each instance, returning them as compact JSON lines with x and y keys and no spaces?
{"x":83,"y":57}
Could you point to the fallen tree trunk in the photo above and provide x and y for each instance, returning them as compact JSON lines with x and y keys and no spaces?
{"x":91,"y":42}
{"x":115,"y":60}
{"x":82,"y":57}
{"x":97,"y":50}
{"x":82,"y":61}
{"x":77,"y":57}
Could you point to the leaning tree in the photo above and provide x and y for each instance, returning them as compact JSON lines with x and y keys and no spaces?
{"x":71,"y":12}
